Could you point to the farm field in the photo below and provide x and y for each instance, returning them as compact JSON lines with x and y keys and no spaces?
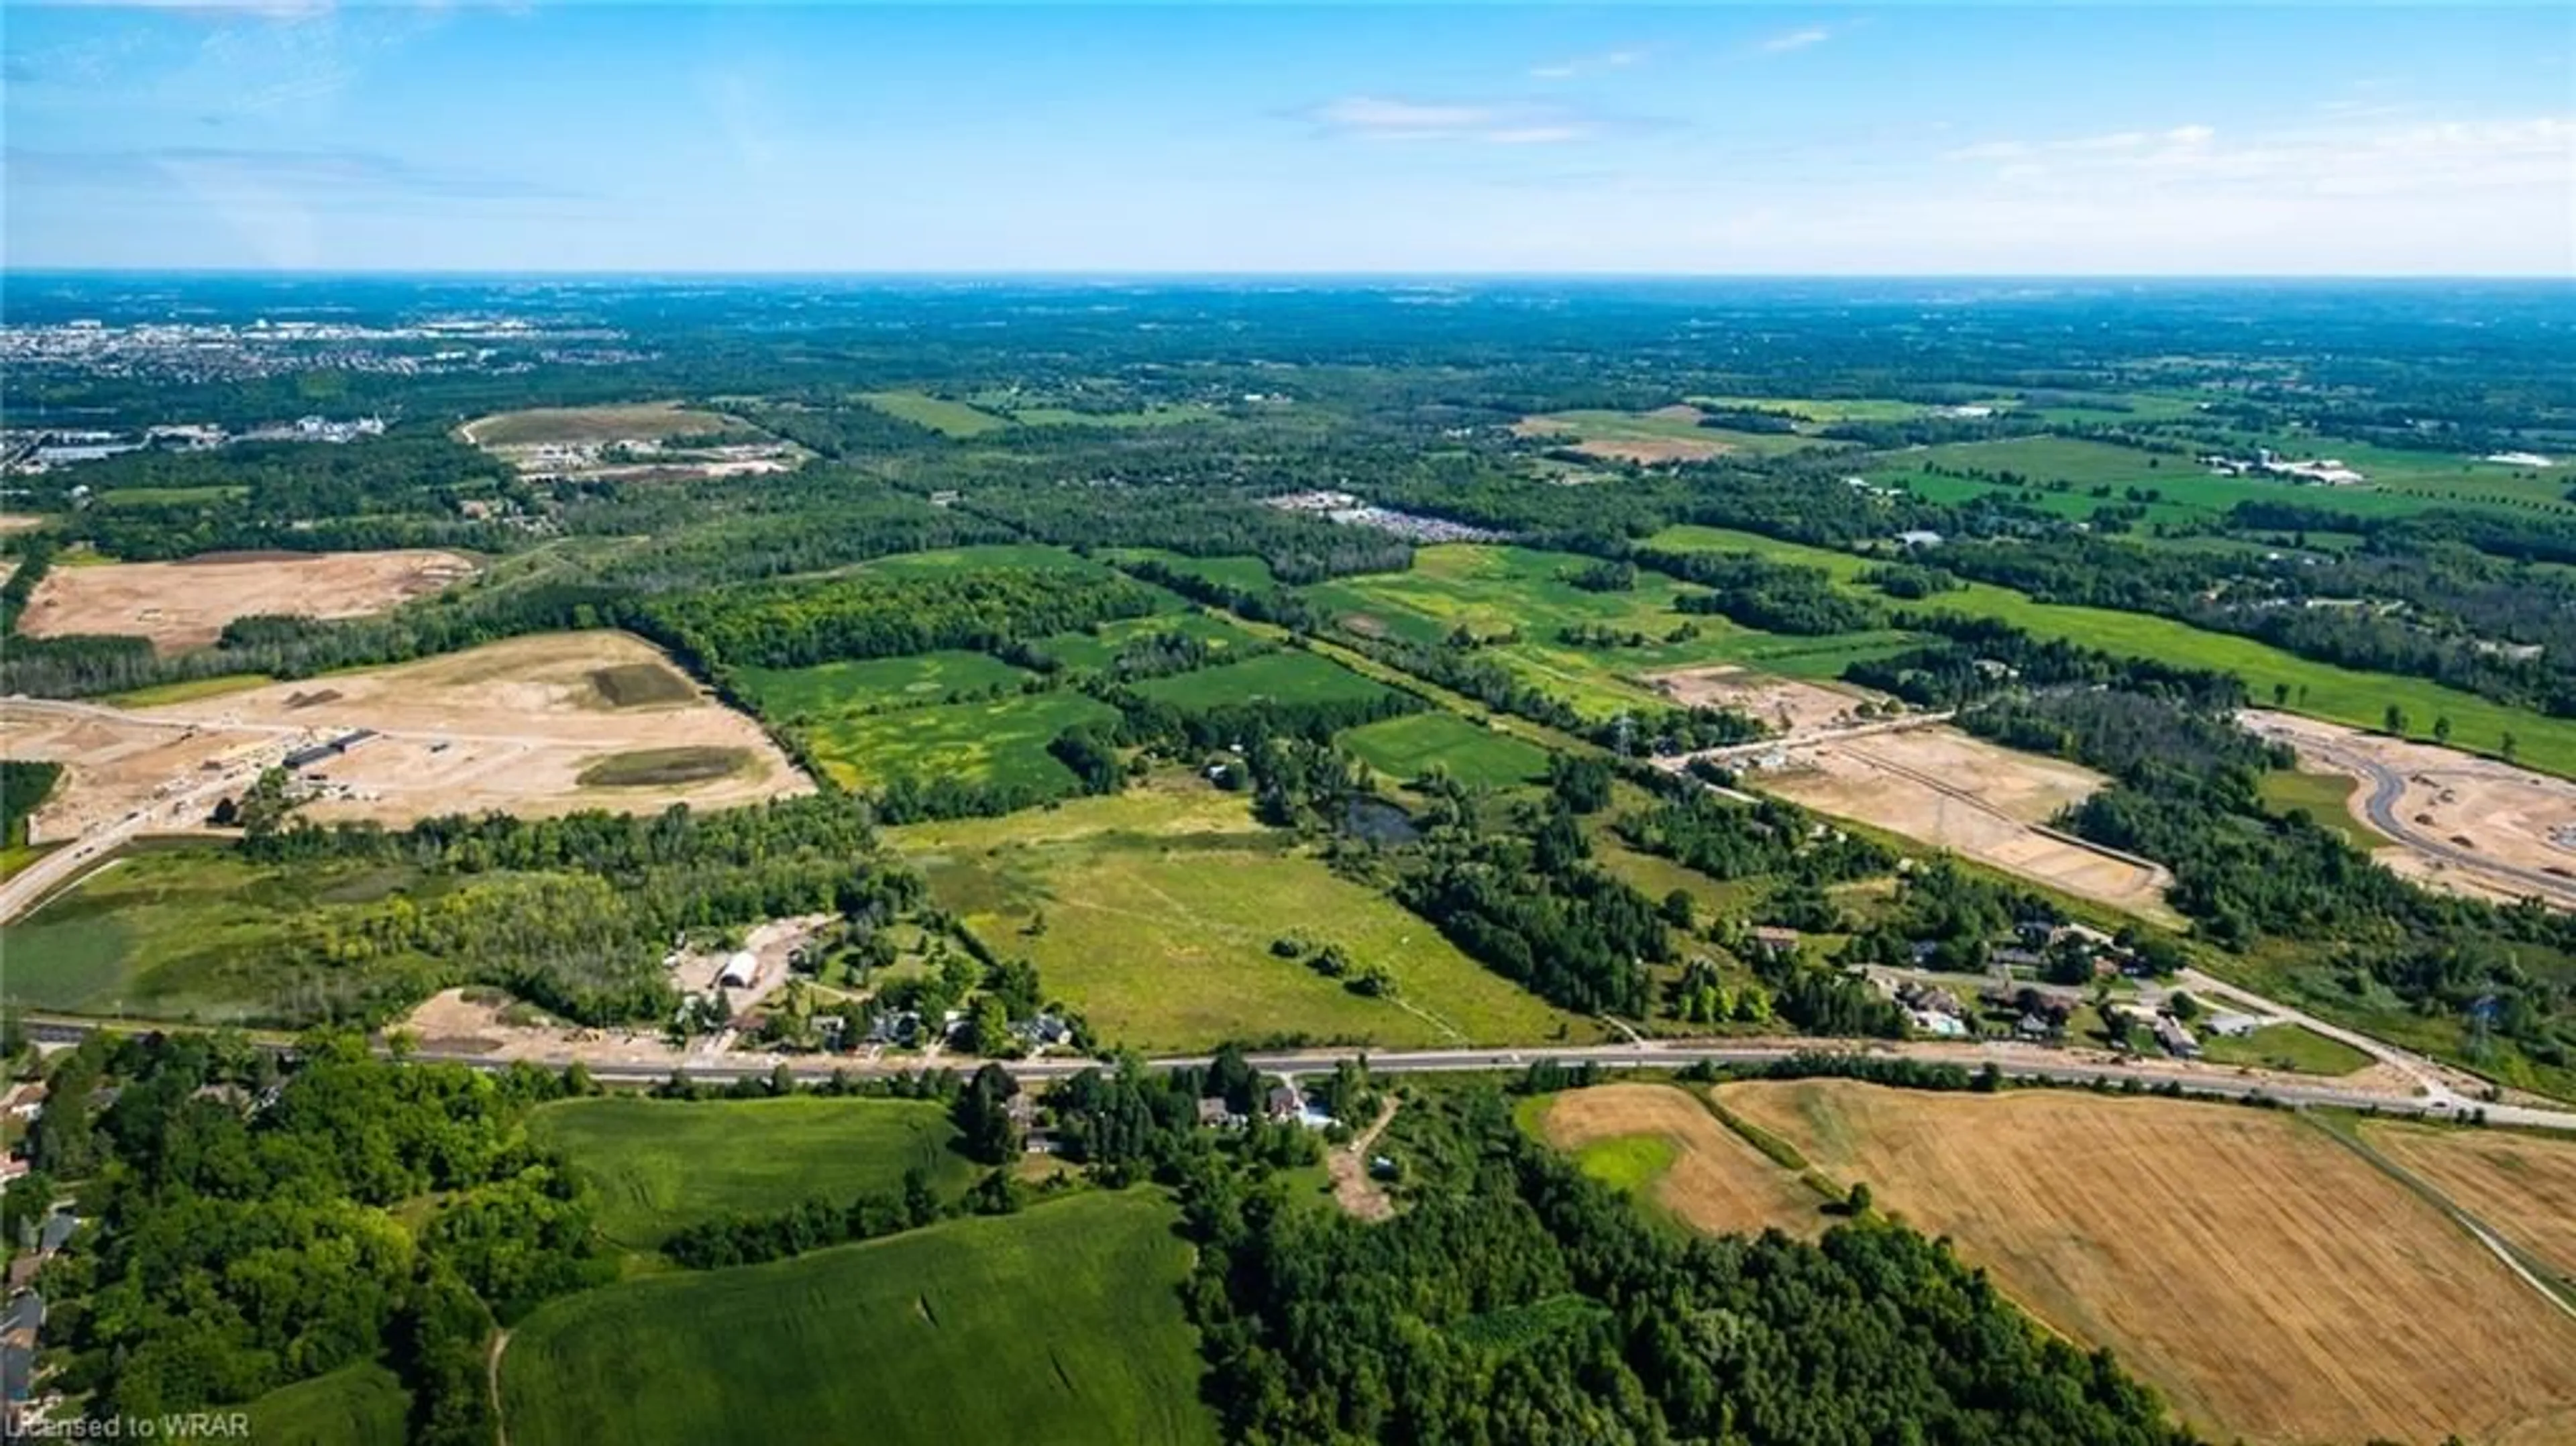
{"x":662,"y":1165}
{"x":1159,"y":907}
{"x":955,"y":419}
{"x":984,"y":555}
{"x":2523,"y":1187}
{"x":1402,"y":748}
{"x":1944,"y":788}
{"x":566,"y":426}
{"x":357,"y":1405}
{"x":1492,"y":591}
{"x":1002,"y":741}
{"x":875,"y":684}
{"x":2269,"y":1281}
{"x":184,"y":605}
{"x":1172,"y":416}
{"x":1290,"y":676}
{"x":2317,"y":690}
{"x":1711,"y":1177}
{"x":1062,"y":1323}
{"x":1667,"y":434}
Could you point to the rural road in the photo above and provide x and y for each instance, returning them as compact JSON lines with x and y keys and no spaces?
{"x":39,"y":880}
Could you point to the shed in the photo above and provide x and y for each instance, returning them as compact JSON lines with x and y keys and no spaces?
{"x":739,"y":971}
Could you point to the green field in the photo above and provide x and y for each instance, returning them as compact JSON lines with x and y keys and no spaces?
{"x":984,"y":555}
{"x":2291,"y":1047}
{"x":2325,"y":797}
{"x":1061,"y":1324}
{"x":1098,"y":648}
{"x":1627,"y":1162}
{"x":873,"y":684}
{"x":1003,"y":741}
{"x":1494,"y":591}
{"x":1823,"y":410}
{"x":1251,"y":574}
{"x":1402,"y":748}
{"x":2320,"y":690}
{"x":660,"y":1165}
{"x":173,"y":933}
{"x":1159,"y":906}
{"x":956,"y":419}
{"x":189,"y":691}
{"x":1287,"y":676}
{"x":357,"y":1405}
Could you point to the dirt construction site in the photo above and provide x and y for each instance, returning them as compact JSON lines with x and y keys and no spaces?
{"x":2461,"y":822}
{"x":537,"y":725}
{"x":1939,"y":786}
{"x":183,"y":605}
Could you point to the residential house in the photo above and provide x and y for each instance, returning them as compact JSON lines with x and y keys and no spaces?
{"x":1215,"y":1113}
{"x":1283,"y":1103}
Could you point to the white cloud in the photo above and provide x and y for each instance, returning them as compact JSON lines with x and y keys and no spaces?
{"x":1789,"y":40}
{"x":1583,"y":65}
{"x":2534,"y":153}
{"x":1501,"y":123}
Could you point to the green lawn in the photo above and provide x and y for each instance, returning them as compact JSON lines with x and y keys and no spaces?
{"x":1153,"y":912}
{"x":2320,"y":690}
{"x":2324,"y":796}
{"x":660,"y":1165}
{"x":956,"y":419}
{"x":357,"y":1405}
{"x":1061,"y":1324}
{"x":1402,"y":748}
{"x":874,"y":684}
{"x":1288,"y":676}
{"x":2290,"y":1047}
{"x":1003,"y":741}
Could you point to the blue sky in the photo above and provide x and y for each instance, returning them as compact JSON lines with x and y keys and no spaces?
{"x":1908,"y":138}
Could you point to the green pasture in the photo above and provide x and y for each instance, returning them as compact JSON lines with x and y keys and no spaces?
{"x":1153,"y":913}
{"x":1596,"y":426}
{"x":2325,"y":797}
{"x":1404,"y":748}
{"x":362,"y":1404}
{"x":1001,"y":741}
{"x":2291,"y":1047}
{"x":1060,"y":1324}
{"x":1123,"y":421}
{"x":1287,"y":676}
{"x":1250,"y":574}
{"x":662,"y":1165}
{"x":955,"y":419}
{"x":874,"y":684}
{"x":1022,"y":555}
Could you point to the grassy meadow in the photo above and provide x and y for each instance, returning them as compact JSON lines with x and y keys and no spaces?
{"x":357,"y":1405}
{"x":662,"y":1165}
{"x":1153,"y":912}
{"x":1288,"y":676}
{"x":1001,"y":741}
{"x":1403,"y":748}
{"x":955,"y":419}
{"x":872,"y":685}
{"x":1061,"y":1324}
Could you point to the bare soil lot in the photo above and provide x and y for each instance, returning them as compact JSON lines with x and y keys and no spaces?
{"x":20,"y":521}
{"x":2270,"y":1282}
{"x":1791,"y":706}
{"x":182,"y":605}
{"x":2483,"y":810}
{"x":1942,"y":787}
{"x":628,"y":443}
{"x":512,"y":726}
{"x":1717,"y":1182}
